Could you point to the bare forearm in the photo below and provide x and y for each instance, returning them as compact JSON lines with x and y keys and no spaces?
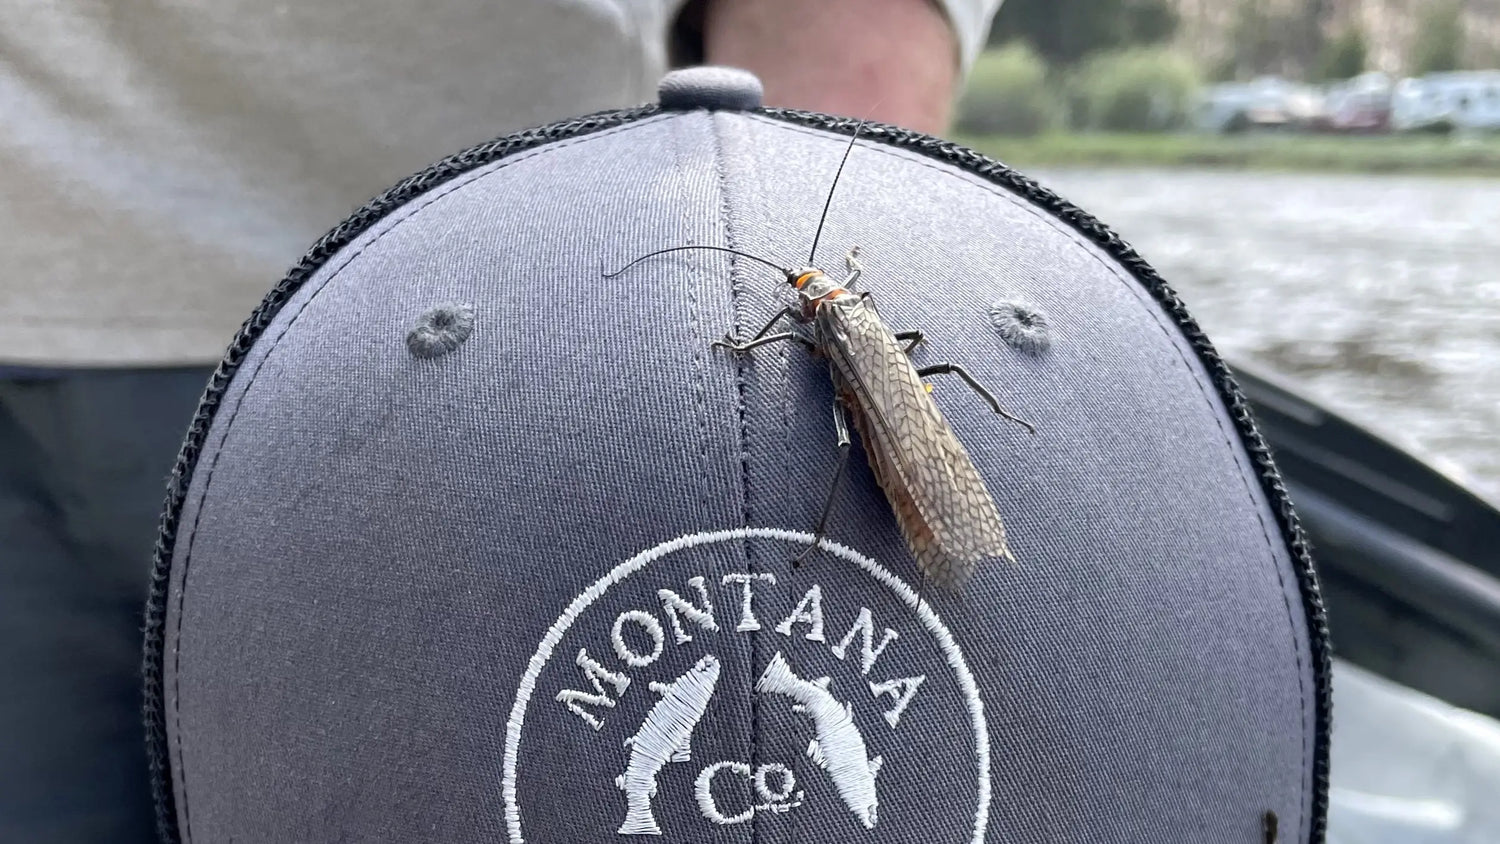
{"x":894,"y":61}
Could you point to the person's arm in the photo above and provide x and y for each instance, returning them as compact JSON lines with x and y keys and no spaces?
{"x":893,"y":61}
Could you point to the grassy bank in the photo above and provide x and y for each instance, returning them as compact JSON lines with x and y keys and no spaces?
{"x":1383,"y":154}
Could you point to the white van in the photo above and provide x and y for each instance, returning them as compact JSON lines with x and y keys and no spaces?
{"x":1468,"y":99}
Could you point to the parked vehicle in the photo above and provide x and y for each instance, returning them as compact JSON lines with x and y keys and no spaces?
{"x":1266,"y":103}
{"x":1361,"y":105}
{"x":1466,"y":100}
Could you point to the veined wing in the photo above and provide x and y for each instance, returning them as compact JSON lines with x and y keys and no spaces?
{"x":945,"y":511}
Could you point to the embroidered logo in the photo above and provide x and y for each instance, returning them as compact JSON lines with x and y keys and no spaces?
{"x":685,"y":694}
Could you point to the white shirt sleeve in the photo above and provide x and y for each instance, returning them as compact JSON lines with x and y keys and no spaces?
{"x":970,"y":20}
{"x":971,"y":24}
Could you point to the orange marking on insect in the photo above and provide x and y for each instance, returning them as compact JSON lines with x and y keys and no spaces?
{"x":805,"y":278}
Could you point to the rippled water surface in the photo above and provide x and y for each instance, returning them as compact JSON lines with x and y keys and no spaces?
{"x":1380,"y":294}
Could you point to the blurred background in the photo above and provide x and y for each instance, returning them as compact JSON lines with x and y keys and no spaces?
{"x":1316,"y":177}
{"x":1320,"y":182}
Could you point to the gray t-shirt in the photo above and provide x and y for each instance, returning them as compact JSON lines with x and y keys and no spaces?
{"x":163,"y":163}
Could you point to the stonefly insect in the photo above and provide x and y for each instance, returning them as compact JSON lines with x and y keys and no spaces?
{"x":944,"y":510}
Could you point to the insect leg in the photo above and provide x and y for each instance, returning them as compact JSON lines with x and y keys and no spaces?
{"x":955,"y":369}
{"x":760,"y":338}
{"x":728,"y":342}
{"x":853,"y":267}
{"x":911,"y":338}
{"x":1268,"y":825}
{"x":841,"y":428}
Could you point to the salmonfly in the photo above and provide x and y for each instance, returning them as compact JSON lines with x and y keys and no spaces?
{"x":945,"y":511}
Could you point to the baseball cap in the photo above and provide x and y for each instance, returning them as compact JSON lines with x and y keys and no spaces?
{"x":477,"y":535}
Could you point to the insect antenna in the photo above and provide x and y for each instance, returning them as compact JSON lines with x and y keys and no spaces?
{"x":771,"y":264}
{"x":813,"y":253}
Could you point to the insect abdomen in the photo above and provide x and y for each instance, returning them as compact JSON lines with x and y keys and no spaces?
{"x":945,"y":512}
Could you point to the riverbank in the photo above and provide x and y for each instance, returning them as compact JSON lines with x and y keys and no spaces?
{"x":1473,"y":156}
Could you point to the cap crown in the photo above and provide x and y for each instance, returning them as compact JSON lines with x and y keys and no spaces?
{"x":537,"y":587}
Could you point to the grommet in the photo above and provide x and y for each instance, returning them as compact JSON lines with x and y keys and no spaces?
{"x":440,"y":330}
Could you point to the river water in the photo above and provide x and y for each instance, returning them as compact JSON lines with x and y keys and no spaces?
{"x":1379,"y":294}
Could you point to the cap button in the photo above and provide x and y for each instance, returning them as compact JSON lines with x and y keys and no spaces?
{"x":714,"y":88}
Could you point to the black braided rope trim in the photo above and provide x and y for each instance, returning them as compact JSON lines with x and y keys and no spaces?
{"x":478,"y":156}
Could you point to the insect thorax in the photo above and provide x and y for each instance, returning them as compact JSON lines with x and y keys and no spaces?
{"x":816,"y":291}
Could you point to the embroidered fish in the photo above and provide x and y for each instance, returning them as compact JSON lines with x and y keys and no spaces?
{"x":839,"y":747}
{"x":665,"y":736}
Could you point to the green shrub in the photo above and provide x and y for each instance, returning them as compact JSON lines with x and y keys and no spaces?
{"x":1135,"y":90}
{"x":1008,"y":94}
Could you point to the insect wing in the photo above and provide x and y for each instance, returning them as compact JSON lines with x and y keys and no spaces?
{"x":945,"y":511}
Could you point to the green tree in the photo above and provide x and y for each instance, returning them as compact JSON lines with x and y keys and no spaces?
{"x":1008,"y":94}
{"x":1146,"y":23}
{"x":1066,"y":31}
{"x":1345,"y":56}
{"x":1263,"y":41}
{"x":1439,"y":44}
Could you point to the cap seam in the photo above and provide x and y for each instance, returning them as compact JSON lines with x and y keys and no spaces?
{"x":695,"y":332}
{"x":741,"y":389}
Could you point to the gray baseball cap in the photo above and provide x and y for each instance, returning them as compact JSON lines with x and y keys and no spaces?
{"x":470,"y":543}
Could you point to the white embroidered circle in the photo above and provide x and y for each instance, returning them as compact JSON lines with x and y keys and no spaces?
{"x":934,"y":625}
